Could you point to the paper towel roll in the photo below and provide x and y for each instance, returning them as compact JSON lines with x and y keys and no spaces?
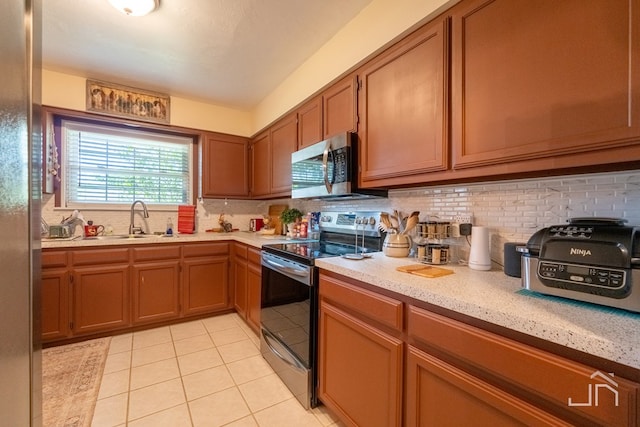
{"x":479,"y":257}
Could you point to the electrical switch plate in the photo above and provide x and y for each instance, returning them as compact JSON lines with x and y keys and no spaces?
{"x":463,"y":219}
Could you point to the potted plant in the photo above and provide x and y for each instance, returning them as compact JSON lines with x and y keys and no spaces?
{"x":290,"y":216}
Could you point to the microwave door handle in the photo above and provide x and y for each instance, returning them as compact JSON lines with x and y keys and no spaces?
{"x":325,"y":161}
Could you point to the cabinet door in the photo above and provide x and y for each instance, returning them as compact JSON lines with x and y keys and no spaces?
{"x":254,"y":289}
{"x":55,"y":304}
{"x":439,"y":394}
{"x":225,"y":166}
{"x":403,"y":129}
{"x":206,"y":282}
{"x":261,"y":165}
{"x":310,"y":123}
{"x":240,"y":286}
{"x":156,"y":291}
{"x":101,"y":298}
{"x":284,"y":141}
{"x":340,"y":107}
{"x":360,"y":370}
{"x":543,"y":79}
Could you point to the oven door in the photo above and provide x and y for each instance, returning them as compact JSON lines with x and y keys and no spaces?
{"x":289,"y":324}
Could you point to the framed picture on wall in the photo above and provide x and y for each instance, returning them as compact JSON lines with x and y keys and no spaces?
{"x":122,"y":101}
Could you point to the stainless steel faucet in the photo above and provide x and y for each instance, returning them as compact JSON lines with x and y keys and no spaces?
{"x":132,"y":227}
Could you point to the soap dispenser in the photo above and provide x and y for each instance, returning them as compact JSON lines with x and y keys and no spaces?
{"x":169,"y":231}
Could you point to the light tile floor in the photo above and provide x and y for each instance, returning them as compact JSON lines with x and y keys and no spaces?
{"x":201,"y":373}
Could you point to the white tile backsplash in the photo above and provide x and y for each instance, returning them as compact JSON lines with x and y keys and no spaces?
{"x":513,"y":210}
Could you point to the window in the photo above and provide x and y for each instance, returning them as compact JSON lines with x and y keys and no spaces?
{"x":116,"y":166}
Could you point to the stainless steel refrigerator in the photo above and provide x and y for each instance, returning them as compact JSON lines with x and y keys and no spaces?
{"x":20,"y":192}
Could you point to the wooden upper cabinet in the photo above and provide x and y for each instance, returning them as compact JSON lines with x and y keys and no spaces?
{"x":284,"y":141}
{"x":271,"y":158}
{"x":261,"y":165}
{"x":340,"y":108}
{"x":402,"y":109}
{"x":310,"y":122}
{"x":225,"y":166}
{"x":541,"y":79}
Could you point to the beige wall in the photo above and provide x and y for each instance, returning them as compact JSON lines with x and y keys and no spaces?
{"x":378,"y":24}
{"x":68,"y":91}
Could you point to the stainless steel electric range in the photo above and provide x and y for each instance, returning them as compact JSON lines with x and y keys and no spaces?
{"x":289,"y":306}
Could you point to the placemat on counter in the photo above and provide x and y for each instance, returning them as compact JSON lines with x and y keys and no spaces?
{"x":584,"y":304}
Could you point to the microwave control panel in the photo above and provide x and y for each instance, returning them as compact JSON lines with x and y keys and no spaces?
{"x":340,"y":165}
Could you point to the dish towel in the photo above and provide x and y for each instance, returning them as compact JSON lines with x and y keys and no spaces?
{"x":186,"y":219}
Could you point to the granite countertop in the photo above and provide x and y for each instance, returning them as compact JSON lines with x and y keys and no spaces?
{"x":248,"y":237}
{"x":497,"y":298}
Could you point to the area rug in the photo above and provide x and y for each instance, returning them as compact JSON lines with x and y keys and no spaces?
{"x":71,"y":376}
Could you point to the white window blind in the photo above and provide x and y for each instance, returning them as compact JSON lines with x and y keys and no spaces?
{"x":107,"y":165}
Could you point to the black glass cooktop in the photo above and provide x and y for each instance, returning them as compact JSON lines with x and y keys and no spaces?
{"x":308,"y":251}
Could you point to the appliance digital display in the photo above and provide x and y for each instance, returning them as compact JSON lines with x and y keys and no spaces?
{"x":574,"y":269}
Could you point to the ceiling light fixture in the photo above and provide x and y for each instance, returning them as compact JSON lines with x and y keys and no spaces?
{"x":135,"y":7}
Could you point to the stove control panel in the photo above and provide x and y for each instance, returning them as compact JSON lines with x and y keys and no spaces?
{"x":351,"y":222}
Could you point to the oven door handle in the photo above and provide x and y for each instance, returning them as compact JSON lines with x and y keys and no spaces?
{"x":290,"y":270}
{"x":325,"y":168}
{"x":291,"y":361}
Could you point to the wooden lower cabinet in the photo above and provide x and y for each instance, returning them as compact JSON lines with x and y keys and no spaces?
{"x":239,"y":278}
{"x":101,"y":298}
{"x":507,"y":373}
{"x":439,"y":394}
{"x":91,"y":290}
{"x":155,"y":283}
{"x":205,"y":285}
{"x":254,"y":288}
{"x":360,"y":366}
{"x":247,"y":283}
{"x":156,"y":291}
{"x":205,"y":278}
{"x":55,"y":304}
{"x":386,"y":361}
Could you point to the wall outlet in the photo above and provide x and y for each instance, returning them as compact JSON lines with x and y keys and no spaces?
{"x":463,"y":219}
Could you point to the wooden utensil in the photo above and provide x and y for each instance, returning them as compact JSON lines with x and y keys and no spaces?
{"x":385,"y":222}
{"x":412,"y":221}
{"x":274,"y":214}
{"x":425,"y":270}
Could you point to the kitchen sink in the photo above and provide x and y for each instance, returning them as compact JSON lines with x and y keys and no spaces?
{"x":120,"y":236}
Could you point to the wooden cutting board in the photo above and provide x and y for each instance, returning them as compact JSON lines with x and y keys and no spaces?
{"x":425,"y":270}
{"x":274,"y":214}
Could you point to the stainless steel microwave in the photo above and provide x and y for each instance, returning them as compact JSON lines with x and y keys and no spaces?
{"x":328,"y":169}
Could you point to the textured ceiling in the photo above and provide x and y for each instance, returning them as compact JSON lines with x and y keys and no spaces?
{"x":226,"y":52}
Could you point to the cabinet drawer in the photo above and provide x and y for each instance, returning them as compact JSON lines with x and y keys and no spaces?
{"x":100,"y":256}
{"x":240,"y":250}
{"x":156,"y":252}
{"x":54,"y":259}
{"x":205,"y":249}
{"x":569,"y":386}
{"x":255,"y":256}
{"x":378,"y":308}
